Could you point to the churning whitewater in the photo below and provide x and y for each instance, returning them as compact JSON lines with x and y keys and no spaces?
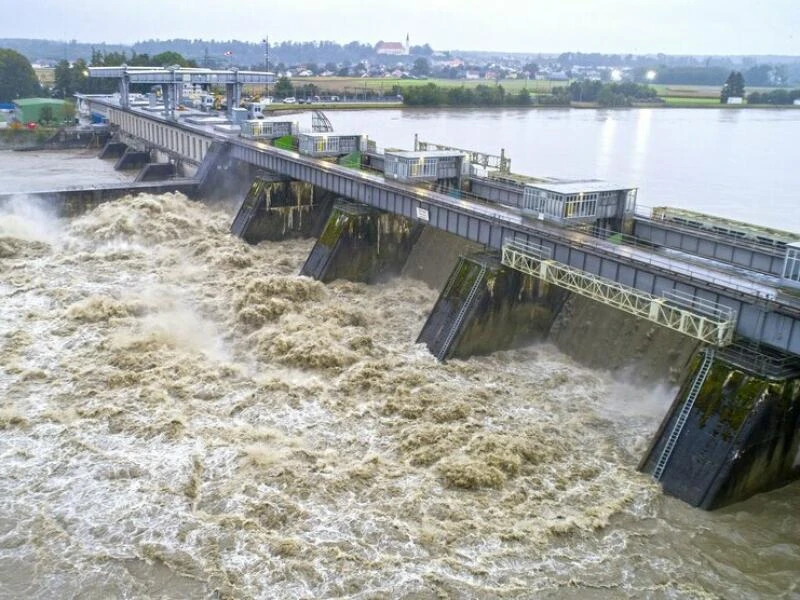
{"x":183,"y":416}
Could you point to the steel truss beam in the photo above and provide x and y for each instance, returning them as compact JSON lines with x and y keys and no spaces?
{"x":710,"y":323}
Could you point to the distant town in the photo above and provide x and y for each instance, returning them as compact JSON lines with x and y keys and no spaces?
{"x":399,"y":70}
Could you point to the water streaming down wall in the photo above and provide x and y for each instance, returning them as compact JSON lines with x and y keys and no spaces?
{"x":484,"y":307}
{"x":275,"y":208}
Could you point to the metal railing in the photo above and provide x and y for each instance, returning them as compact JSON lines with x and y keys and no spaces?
{"x":456,"y":325}
{"x":708,"y":322}
{"x":760,"y":361}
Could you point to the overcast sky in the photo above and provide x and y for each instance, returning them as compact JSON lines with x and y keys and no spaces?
{"x":619,"y":26}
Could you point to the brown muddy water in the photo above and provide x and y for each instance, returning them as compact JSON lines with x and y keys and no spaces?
{"x":183,"y":416}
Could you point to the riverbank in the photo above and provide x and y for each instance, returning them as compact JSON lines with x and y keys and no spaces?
{"x":668,"y":103}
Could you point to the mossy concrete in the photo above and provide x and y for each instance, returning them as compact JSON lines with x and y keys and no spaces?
{"x":507,"y":309}
{"x":742,"y":437}
{"x":360,"y":243}
{"x":276,"y":208}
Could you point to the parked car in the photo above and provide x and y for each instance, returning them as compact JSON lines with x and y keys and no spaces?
{"x":334,"y":98}
{"x":290,"y":100}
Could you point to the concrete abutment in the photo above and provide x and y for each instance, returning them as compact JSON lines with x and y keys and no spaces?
{"x":276,"y":208}
{"x":741,"y":436}
{"x":360,"y":243}
{"x":486,"y":306}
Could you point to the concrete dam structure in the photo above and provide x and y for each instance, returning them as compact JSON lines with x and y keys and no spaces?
{"x":518,"y":262}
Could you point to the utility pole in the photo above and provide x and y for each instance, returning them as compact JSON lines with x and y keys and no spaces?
{"x":266,"y":66}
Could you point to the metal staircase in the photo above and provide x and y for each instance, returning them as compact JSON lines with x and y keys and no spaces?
{"x":697,"y":384}
{"x":451,"y":334}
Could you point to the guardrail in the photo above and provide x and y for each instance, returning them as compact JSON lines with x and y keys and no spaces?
{"x":694,"y":317}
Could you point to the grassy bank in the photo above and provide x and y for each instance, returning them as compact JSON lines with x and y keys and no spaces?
{"x":676,"y":96}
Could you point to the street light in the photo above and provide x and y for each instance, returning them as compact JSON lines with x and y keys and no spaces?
{"x":266,"y":66}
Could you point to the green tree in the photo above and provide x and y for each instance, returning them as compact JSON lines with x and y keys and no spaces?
{"x":284,"y":88}
{"x":421,"y":67}
{"x":17,"y":79}
{"x":734,"y":87}
{"x":63,"y":80}
{"x":167,"y":59}
{"x":531,"y":68}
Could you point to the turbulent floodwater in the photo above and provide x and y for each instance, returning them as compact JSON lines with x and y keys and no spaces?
{"x":182,"y":416}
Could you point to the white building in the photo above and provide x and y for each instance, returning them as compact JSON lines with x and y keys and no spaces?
{"x":394,"y":48}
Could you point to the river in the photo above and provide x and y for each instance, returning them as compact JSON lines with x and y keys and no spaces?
{"x":741,"y":164}
{"x":182,"y":416}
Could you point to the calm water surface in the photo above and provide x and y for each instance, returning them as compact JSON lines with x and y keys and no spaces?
{"x":741,"y":164}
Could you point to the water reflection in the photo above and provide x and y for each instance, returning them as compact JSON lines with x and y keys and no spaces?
{"x":644,"y":119}
{"x":713,"y":160}
{"x":605,"y":154}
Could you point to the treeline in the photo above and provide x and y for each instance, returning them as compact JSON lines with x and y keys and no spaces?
{"x":592,"y":92}
{"x":606,"y":94}
{"x":481,"y":95}
{"x":776,"y":97}
{"x":212,"y":53}
{"x":760,"y":75}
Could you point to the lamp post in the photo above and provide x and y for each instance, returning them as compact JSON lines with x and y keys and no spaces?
{"x":266,"y":66}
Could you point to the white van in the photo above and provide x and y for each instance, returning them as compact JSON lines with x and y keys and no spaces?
{"x":290,"y":100}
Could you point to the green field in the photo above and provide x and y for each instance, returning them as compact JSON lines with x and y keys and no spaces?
{"x":691,"y":101}
{"x":673,"y":95}
{"x":352,"y":86}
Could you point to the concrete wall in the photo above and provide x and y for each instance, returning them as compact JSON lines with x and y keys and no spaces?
{"x":485,"y":307}
{"x":742,"y":437}
{"x":360,"y":243}
{"x":275,"y":209}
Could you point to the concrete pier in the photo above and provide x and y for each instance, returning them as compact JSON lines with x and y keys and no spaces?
{"x":276,"y":208}
{"x":485,"y":307}
{"x":113,"y":149}
{"x":360,"y":243}
{"x":132,"y":159}
{"x":741,"y":436}
{"x":156,"y":172}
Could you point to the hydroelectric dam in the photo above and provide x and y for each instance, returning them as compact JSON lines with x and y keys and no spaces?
{"x":521,"y":255}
